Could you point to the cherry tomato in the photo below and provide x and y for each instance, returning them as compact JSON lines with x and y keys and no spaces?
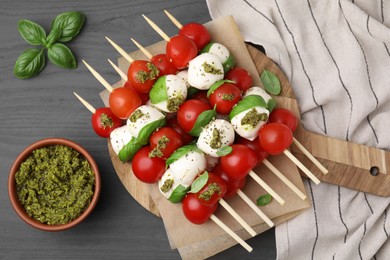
{"x":146,"y":169}
{"x":163,"y":64}
{"x":196,"y":32}
{"x":233,"y":185}
{"x":239,"y":162}
{"x":225,"y":98}
{"x":196,"y":212}
{"x":104,"y":121}
{"x":141,"y":75}
{"x":275,"y":137}
{"x":255,"y":145}
{"x":213,"y":190}
{"x":180,"y":50}
{"x":186,"y":137}
{"x":189,"y":111}
{"x":123,"y":101}
{"x":165,"y":141}
{"x":284,"y":116}
{"x":202,"y":96}
{"x":144,"y":96}
{"x":241,"y":77}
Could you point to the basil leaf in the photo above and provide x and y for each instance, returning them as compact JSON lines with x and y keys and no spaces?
{"x":61,"y":56}
{"x":271,"y":105}
{"x":207,"y":47}
{"x":53,"y":36}
{"x":247,"y":103}
{"x":146,"y":131}
{"x":270,"y":82}
{"x":158,"y":93}
{"x":192,"y":91}
{"x":217,"y":85}
{"x":228,"y":64}
{"x":32,"y":32}
{"x":264,"y":200}
{"x":181,"y":152}
{"x":178,"y":194}
{"x":203,"y":119}
{"x":199,"y":182}
{"x":29,"y":63}
{"x":69,"y":24}
{"x":129,"y":150}
{"x":224,"y":150}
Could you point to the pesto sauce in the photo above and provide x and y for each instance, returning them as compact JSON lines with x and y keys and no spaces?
{"x":211,"y":190}
{"x":168,"y":183}
{"x":106,"y":121}
{"x":209,"y":68}
{"x":174,"y":103}
{"x":55,"y":184}
{"x":215,"y":141}
{"x":252,"y":118}
{"x":136,"y":115}
{"x":152,"y":73}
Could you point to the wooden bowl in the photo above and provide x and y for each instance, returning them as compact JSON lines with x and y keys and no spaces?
{"x":12,"y":184}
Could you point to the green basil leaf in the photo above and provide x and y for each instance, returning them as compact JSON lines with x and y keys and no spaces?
{"x":158,"y":93}
{"x":271,"y":105}
{"x":224,"y":150}
{"x":181,"y":152}
{"x":199,"y":182}
{"x":270,"y":82}
{"x":217,"y":85}
{"x":207,"y":48}
{"x":264,"y":200}
{"x":29,"y":63}
{"x":147,"y":131}
{"x":192,"y":91}
{"x":61,"y":56}
{"x":178,"y":194}
{"x":69,"y":23}
{"x":129,"y":150}
{"x":53,"y":36}
{"x":228,"y":64}
{"x":247,"y":103}
{"x":32,"y":32}
{"x":203,"y":119}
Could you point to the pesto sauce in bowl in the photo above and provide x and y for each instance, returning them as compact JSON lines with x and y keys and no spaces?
{"x":55,"y":184}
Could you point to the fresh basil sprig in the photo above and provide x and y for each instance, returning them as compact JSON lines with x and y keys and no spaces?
{"x":181,"y":152}
{"x":247,"y":103}
{"x":199,"y":182}
{"x":270,"y":82}
{"x":178,"y":194}
{"x":65,"y":27}
{"x":203,"y":119}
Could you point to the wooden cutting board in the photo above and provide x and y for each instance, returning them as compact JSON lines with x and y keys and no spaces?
{"x":348,"y":163}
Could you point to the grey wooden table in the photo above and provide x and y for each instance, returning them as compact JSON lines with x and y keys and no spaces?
{"x":44,"y":106}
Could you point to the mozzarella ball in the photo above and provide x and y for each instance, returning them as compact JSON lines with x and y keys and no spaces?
{"x":204,"y":71}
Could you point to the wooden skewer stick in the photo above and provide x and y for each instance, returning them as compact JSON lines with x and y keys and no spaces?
{"x":301,"y":166}
{"x":156,"y":28}
{"x":310,"y":156}
{"x":85,"y":103}
{"x":99,"y":77}
{"x":284,"y":179}
{"x":118,"y":70}
{"x":255,"y":208}
{"x":237,"y":217}
{"x":231,"y":233}
{"x":144,"y":51}
{"x":120,"y":50}
{"x":173,"y":19}
{"x":267,"y":188}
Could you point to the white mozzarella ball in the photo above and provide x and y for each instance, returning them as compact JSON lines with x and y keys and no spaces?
{"x":119,"y":137}
{"x":141,"y":117}
{"x":204,"y":71}
{"x":220,"y":51}
{"x":175,"y":88}
{"x":257,"y":91}
{"x":247,"y":131}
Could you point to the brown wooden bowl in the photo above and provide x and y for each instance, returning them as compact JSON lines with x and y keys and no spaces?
{"x":12,"y":184}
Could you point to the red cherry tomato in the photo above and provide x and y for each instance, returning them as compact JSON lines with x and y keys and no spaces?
{"x":225,"y":98}
{"x":146,"y":169}
{"x":196,"y":32}
{"x":104,"y":121}
{"x":275,"y":138}
{"x":180,"y":50}
{"x":123,"y":101}
{"x":165,"y":141}
{"x":163,"y":64}
{"x":241,"y":77}
{"x":255,"y":145}
{"x":213,"y":190}
{"x":141,"y":75}
{"x":196,"y":212}
{"x":186,"y":137}
{"x":239,"y":162}
{"x":189,"y":111}
{"x":202,"y":96}
{"x":144,"y":96}
{"x":233,"y":185}
{"x":284,"y":116}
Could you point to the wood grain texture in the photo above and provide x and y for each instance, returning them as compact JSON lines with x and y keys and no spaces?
{"x":119,"y":228}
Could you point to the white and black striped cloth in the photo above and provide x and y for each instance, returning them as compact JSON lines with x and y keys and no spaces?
{"x":336,"y":54}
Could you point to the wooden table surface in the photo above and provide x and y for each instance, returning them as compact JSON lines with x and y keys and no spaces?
{"x":44,"y":106}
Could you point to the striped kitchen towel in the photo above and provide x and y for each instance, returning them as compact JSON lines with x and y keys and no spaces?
{"x":336,"y":54}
